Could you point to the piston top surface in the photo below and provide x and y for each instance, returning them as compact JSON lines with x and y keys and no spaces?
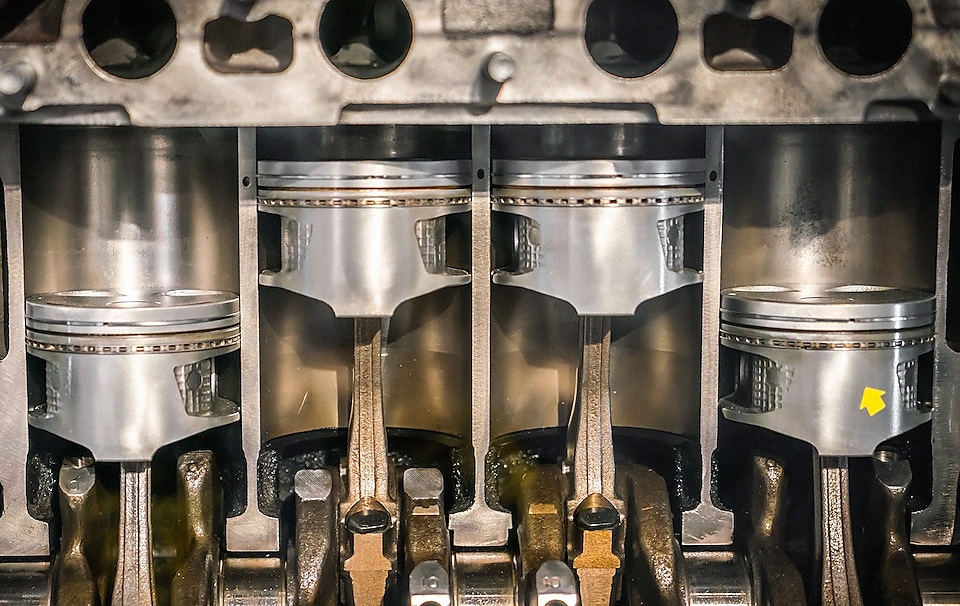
{"x":613,"y":173}
{"x":826,"y":309}
{"x":364,"y":174}
{"x":126,"y":312}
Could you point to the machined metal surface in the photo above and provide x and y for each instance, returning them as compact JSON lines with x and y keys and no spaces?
{"x":340,"y":219}
{"x":479,"y":525}
{"x":937,"y":524}
{"x":696,"y":201}
{"x":707,"y":523}
{"x":792,"y":343}
{"x":155,"y":349}
{"x":484,"y":578}
{"x":554,"y":583}
{"x":424,"y":526}
{"x":623,"y":215}
{"x":20,"y":533}
{"x":429,"y":584}
{"x":717,"y":578}
{"x":25,"y":584}
{"x":252,"y":581}
{"x":252,"y":530}
{"x":129,"y":208}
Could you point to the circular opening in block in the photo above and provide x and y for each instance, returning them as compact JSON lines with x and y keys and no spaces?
{"x":127,"y":39}
{"x":631,"y":38}
{"x":865,"y":37}
{"x":366,"y":38}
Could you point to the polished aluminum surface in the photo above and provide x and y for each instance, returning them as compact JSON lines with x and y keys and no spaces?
{"x":819,"y":309}
{"x":323,"y":180}
{"x":387,"y":247}
{"x":163,"y":384}
{"x":624,"y":255}
{"x":515,"y":175}
{"x":842,"y":382}
{"x":108,"y":312}
{"x":361,"y":261}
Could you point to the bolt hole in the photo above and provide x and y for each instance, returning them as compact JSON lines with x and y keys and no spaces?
{"x":246,"y":181}
{"x":713,"y":175}
{"x":631,"y":38}
{"x":865,"y":37}
{"x":129,"y":39}
{"x":366,"y":39}
{"x":480,"y":174}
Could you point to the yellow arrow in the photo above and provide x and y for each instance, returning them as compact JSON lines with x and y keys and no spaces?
{"x":872,"y":400}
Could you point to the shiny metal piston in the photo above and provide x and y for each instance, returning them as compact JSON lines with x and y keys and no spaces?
{"x":155,"y":349}
{"x":836,"y":367}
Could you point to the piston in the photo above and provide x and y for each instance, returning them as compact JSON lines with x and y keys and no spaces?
{"x":834,"y":366}
{"x":363,"y":236}
{"x":155,"y":350}
{"x":626,"y":217}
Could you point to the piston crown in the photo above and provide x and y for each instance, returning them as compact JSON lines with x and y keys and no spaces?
{"x":122,"y":312}
{"x":362,"y":183}
{"x":598,"y":173}
{"x":851,"y":308}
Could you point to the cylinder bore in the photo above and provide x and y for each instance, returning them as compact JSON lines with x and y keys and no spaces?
{"x":366,"y":39}
{"x":631,"y":38}
{"x":865,"y":37}
{"x":129,"y":40}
